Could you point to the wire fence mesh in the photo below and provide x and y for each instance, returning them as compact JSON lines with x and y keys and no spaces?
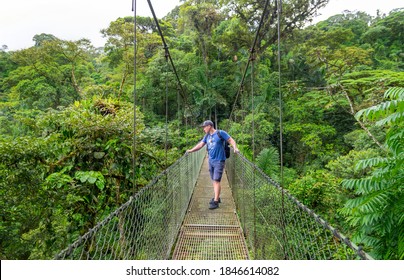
{"x":276,"y":225}
{"x":146,"y":226}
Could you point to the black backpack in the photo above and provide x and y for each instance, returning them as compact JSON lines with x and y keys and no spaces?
{"x":226,"y":145}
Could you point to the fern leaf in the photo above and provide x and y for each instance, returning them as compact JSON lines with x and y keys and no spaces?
{"x":393,"y":118}
{"x":381,"y":110}
{"x":396,"y":104}
{"x":371,"y":162}
{"x":349,"y":184}
{"x":394,"y":93}
{"x":268,"y":161}
{"x":395,"y":141}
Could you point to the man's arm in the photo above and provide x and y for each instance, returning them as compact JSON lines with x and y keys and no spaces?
{"x":233,"y":144}
{"x":197,"y":147}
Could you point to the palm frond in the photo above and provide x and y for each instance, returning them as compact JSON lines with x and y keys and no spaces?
{"x":385,"y":109}
{"x":268,"y":161}
{"x":394,"y":93}
{"x":371,"y":162}
{"x":393,"y":118}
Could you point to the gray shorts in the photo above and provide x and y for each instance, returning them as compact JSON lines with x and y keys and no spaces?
{"x":216,"y":169}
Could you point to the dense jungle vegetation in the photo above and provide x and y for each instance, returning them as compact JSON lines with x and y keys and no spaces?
{"x":67,"y":117}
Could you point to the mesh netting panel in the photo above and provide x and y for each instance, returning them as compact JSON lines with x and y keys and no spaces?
{"x":147,"y":225}
{"x":276,"y":225}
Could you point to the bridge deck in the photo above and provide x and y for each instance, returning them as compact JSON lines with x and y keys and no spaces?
{"x":210,"y":234}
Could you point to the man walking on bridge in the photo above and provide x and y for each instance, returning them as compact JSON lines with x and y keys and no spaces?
{"x":214,"y":139}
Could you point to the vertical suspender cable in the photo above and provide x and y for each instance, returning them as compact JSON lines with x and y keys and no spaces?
{"x":279,"y":11}
{"x":170,"y":190}
{"x":252,"y":54}
{"x":216,"y":121}
{"x":252,"y":105}
{"x":253,"y":152}
{"x":134,"y":95}
{"x":166,"y":99}
{"x":243,"y":197}
{"x":179,"y":112}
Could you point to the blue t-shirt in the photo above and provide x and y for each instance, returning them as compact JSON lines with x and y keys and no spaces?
{"x":215,"y":145}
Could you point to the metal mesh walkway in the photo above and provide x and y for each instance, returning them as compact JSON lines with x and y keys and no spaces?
{"x":211,"y":234}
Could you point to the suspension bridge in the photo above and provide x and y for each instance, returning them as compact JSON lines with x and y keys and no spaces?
{"x":170,"y":219}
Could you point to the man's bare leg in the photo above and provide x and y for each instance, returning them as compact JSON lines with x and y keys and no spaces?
{"x":217,"y":189}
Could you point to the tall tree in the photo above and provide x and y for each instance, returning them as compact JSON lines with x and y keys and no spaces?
{"x":294,"y":14}
{"x":50,"y":75}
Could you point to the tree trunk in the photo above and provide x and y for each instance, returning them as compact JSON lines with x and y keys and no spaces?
{"x":361,"y":123}
{"x":75,"y":84}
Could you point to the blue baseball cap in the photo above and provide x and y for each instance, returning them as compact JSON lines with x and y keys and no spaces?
{"x":206,"y":123}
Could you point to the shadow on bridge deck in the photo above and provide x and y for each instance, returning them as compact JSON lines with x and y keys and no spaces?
{"x":210,"y":234}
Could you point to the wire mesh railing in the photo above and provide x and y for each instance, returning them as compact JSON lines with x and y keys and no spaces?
{"x":146,"y":226}
{"x":276,"y":225}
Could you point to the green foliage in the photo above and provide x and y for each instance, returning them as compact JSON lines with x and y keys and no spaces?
{"x":92,"y":177}
{"x":254,"y":130}
{"x":268,"y":161}
{"x":386,"y":39}
{"x":344,"y":166}
{"x":390,"y":112}
{"x":225,"y":33}
{"x":80,"y":164}
{"x":6,"y":65}
{"x":359,"y":139}
{"x":378,"y":209}
{"x":23,"y":203}
{"x":49,"y":75}
{"x":320,"y":191}
{"x":66,"y":116}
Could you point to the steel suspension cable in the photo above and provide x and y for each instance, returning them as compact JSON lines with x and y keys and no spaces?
{"x":252,"y":50}
{"x":279,"y":11}
{"x":184,"y":97}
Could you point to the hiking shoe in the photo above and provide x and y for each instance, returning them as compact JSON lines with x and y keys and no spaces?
{"x":214,"y":198}
{"x":213,"y":204}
